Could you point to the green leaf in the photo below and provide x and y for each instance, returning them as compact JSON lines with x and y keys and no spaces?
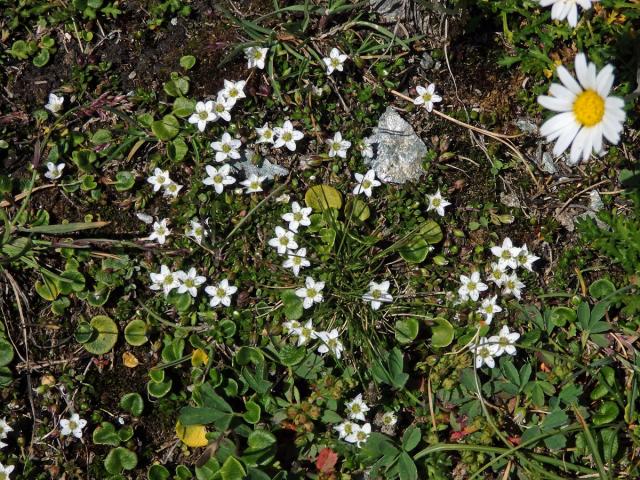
{"x":187,"y":62}
{"x":406,"y":330}
{"x":321,"y":197}
{"x":610,"y":444}
{"x":177,"y":150}
{"x":291,"y":355}
{"x":262,"y":447}
{"x":159,"y":389}
{"x":119,"y":459}
{"x":293,"y":308}
{"x":252,"y":415}
{"x":158,"y":472}
{"x":6,"y":352}
{"x":232,"y":469}
{"x":101,"y":136}
{"x":132,"y":403}
{"x":105,"y":434}
{"x":411,"y":438}
{"x":42,"y":58}
{"x":601,"y":288}
{"x":431,"y":232}
{"x":560,"y":316}
{"x":415,"y":251}
{"x":357,"y":209}
{"x":135,"y":333}
{"x":124,"y":181}
{"x":167,"y":128}
{"x":64,"y":228}
{"x":406,"y":467}
{"x":441,"y":333}
{"x":183,"y":107}
{"x":105,"y":335}
{"x":607,"y":413}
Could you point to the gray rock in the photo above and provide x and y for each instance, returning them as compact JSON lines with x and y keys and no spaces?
{"x":398,"y":150}
{"x":264,"y":169}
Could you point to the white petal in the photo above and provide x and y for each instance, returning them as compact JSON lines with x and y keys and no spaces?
{"x":566,"y":137}
{"x":568,"y":81}
{"x":555,"y":104}
{"x":604,"y":80}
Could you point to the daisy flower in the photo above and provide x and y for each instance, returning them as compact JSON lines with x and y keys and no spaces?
{"x":297,"y":217}
{"x":504,"y":341}
{"x":330,"y":343}
{"x":234,"y":91}
{"x":218,"y":177}
{"x":489,"y":308}
{"x":204,"y":113}
{"x":305,"y":333}
{"x":189,"y":281}
{"x":507,"y":254}
{"x":334,"y":61}
{"x":196,"y":230}
{"x":55,"y":103}
{"x":226,"y":147}
{"x":72,"y":426}
{"x":296,"y":261}
{"x":586,"y":111}
{"x":513,"y":285}
{"x":265,"y":134}
{"x":437,"y":203}
{"x":338,"y":146}
{"x":471,"y":287}
{"x":165,"y":280}
{"x":54,"y":171}
{"x":526,"y":259}
{"x":366,"y":183}
{"x":484,"y":353}
{"x":427,"y":96}
{"x":287,"y":136}
{"x":283,"y":241}
{"x":221,"y":294}
{"x":378,"y":294}
{"x":160,"y":231}
{"x":255,"y":57}
{"x":253,"y":184}
{"x":568,"y":9}
{"x":356,"y":408}
{"x":311,"y":293}
{"x":159,"y":179}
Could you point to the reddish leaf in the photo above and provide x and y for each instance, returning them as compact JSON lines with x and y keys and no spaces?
{"x":326,"y":460}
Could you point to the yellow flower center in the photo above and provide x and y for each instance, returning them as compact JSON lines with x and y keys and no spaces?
{"x":589,"y":108}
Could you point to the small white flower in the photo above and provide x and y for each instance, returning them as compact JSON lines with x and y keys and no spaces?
{"x":498,"y":274}
{"x":196,"y":230}
{"x":366,"y":148}
{"x":234,"y":91}
{"x":218,"y":177}
{"x":389,"y":419}
{"x":437,"y":203}
{"x":265,"y":134}
{"x":160,"y":231}
{"x":284,"y":198}
{"x":507,"y":254}
{"x":471,"y":287}
{"x":6,"y":471}
{"x":334,"y":61}
{"x":356,"y":408}
{"x":55,"y":103}
{"x":427,"y":97}
{"x":291,"y":326}
{"x":287,"y":136}
{"x":283,"y":241}
{"x":296,"y":261}
{"x":504,"y":341}
{"x":484,"y":353}
{"x":366,"y":183}
{"x":346,"y":428}
{"x":489,"y":308}
{"x":2,"y":445}
{"x":189,"y":281}
{"x":172,"y":189}
{"x":526,"y":259}
{"x":204,"y":113}
{"x":221,"y":294}
{"x":330,"y":343}
{"x":54,"y":171}
{"x":305,"y":333}
{"x":513,"y":286}
{"x":378,"y":294}
{"x":73,"y":426}
{"x":299,"y":216}
{"x":568,"y":9}
{"x":165,"y":280}
{"x":222,"y":108}
{"x":227,"y":147}
{"x":338,"y":146}
{"x":255,"y":57}
{"x":4,"y":428}
{"x":253,"y":184}
{"x":159,"y":179}
{"x":361,"y":435}
{"x":311,"y":293}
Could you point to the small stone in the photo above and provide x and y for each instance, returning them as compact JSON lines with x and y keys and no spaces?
{"x":266,"y":169}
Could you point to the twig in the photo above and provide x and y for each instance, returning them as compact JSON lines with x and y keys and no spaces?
{"x":566,"y":204}
{"x":20,"y":196}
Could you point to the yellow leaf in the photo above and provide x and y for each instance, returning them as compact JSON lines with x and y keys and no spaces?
{"x":199,"y":357}
{"x":192,"y":435}
{"x":321,"y":197}
{"x":129,"y":360}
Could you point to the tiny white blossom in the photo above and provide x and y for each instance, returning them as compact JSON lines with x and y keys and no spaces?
{"x":437,"y":203}
{"x":160,"y":231}
{"x":356,"y":408}
{"x":299,"y":216}
{"x":72,"y":426}
{"x":291,"y":326}
{"x":366,"y":148}
{"x":346,"y":429}
{"x":504,"y":341}
{"x":334,"y":61}
{"x":265,"y":134}
{"x":221,"y":294}
{"x":427,"y":97}
{"x":222,"y":108}
{"x":507,"y":254}
{"x":471,"y":287}
{"x":189,"y":281}
{"x":165,"y":280}
{"x":234,"y":91}
{"x":304,"y":333}
{"x":361,"y":435}
{"x":218,"y":177}
{"x":55,"y":103}
{"x":378,"y":294}
{"x":366,"y":183}
{"x":498,"y":274}
{"x":484,"y":353}
{"x":513,"y":285}
{"x":338,"y":146}
{"x":226,"y":147}
{"x":283,"y":241}
{"x":159,"y":179}
{"x":389,"y":419}
{"x":284,"y":198}
{"x":256,"y":57}
{"x":4,"y":428}
{"x":196,"y":230}
{"x":253,"y":184}
{"x":311,"y":293}
{"x":296,"y":261}
{"x":489,"y":308}
{"x":204,"y":113}
{"x":172,"y":189}
{"x":6,"y":471}
{"x":287,"y":136}
{"x":54,"y":171}
{"x":330,"y":343}
{"x":526,"y":259}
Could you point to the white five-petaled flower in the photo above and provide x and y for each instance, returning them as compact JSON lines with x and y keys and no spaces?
{"x":526,"y":259}
{"x":291,"y":326}
{"x":484,"y":353}
{"x":287,"y":136}
{"x":427,"y":96}
{"x":296,"y":260}
{"x":298,"y":216}
{"x":255,"y":57}
{"x":6,"y":471}
{"x":204,"y":113}
{"x":330,"y":343}
{"x":471,"y":287}
{"x":338,"y":146}
{"x":489,"y":308}
{"x":366,"y":183}
{"x":196,"y":230}
{"x":346,"y":428}
{"x":283,"y":241}
{"x":222,"y":107}
{"x":304,"y":333}
{"x":265,"y":134}
{"x":218,"y":177}
{"x":234,"y":91}
{"x":389,"y":419}
{"x":586,"y":111}
{"x":72,"y":426}
{"x":172,"y":189}
{"x":568,"y":9}
{"x":311,"y":293}
{"x":507,"y":254}
{"x":512,"y":285}
{"x":165,"y":280}
{"x":226,"y":147}
{"x":253,"y":184}
{"x":437,"y":203}
{"x":378,"y":294}
{"x":504,"y":341}
{"x":356,"y":408}
{"x":189,"y":281}
{"x":160,"y":231}
{"x":361,"y":435}
{"x":335,"y":61}
{"x":54,"y":171}
{"x":366,"y":148}
{"x":221,"y":294}
{"x":498,"y":274}
{"x":159,"y":179}
{"x":55,"y":103}
{"x":4,"y":428}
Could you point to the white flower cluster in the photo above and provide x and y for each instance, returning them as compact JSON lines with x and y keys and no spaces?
{"x":352,"y":432}
{"x":285,"y":243}
{"x":212,"y":111}
{"x":161,"y":179}
{"x":4,"y":431}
